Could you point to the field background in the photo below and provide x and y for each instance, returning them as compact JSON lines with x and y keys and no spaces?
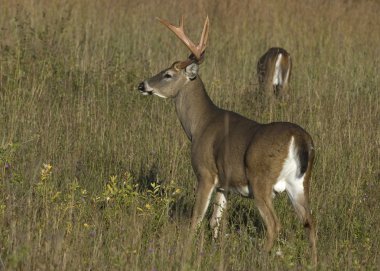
{"x":95,"y":176}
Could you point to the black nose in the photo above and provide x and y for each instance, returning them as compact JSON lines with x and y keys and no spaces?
{"x":141,"y":86}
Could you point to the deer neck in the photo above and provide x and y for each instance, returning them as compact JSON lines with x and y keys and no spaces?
{"x":194,"y":108}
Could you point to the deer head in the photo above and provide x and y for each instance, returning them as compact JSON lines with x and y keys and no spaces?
{"x":168,"y":82}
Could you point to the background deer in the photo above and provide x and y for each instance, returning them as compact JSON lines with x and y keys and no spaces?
{"x":232,"y":153}
{"x":273,"y":71}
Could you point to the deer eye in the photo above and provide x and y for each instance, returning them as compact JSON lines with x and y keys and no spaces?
{"x":167,"y":75}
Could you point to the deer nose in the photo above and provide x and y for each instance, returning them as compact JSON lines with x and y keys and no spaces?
{"x":141,"y":86}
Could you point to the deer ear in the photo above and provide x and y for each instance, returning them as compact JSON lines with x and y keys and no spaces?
{"x":191,"y":71}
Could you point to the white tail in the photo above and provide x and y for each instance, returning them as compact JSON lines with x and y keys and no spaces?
{"x":232,"y":153}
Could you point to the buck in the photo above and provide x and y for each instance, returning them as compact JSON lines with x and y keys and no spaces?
{"x":232,"y":153}
{"x":273,"y":71}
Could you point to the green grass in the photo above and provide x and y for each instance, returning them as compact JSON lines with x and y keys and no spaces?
{"x":120,"y":189}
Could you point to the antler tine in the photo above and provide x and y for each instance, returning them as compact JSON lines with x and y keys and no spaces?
{"x":204,"y":36}
{"x":180,"y":33}
{"x":203,"y":40}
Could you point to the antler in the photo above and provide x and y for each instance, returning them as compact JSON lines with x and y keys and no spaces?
{"x":197,"y":50}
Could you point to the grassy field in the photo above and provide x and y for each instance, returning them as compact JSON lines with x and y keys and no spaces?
{"x":95,"y":176}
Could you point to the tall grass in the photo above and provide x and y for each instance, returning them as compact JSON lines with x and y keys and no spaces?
{"x":94,"y":176}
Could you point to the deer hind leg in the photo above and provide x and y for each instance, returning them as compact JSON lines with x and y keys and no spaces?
{"x":264,"y":204}
{"x":219,"y":207}
{"x":299,"y":197}
{"x":205,"y":187}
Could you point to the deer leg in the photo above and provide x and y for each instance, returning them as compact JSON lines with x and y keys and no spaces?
{"x":219,"y":207}
{"x":275,"y":218}
{"x":202,"y":200}
{"x":263,"y":201}
{"x":284,"y":91}
{"x":301,"y":205}
{"x":262,"y":194}
{"x":264,"y":204}
{"x":269,"y":88}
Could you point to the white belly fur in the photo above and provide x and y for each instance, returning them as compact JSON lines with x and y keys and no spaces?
{"x":242,"y":190}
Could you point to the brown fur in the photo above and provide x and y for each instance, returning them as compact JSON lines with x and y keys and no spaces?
{"x":231,"y":152}
{"x":266,"y":70}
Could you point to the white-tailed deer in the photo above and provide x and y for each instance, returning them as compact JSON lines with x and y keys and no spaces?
{"x":232,"y":153}
{"x":273,"y":71}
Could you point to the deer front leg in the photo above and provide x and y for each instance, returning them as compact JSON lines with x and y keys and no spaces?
{"x":205,"y":188}
{"x":219,"y":207}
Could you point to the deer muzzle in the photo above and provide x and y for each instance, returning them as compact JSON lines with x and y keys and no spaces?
{"x":143,"y":90}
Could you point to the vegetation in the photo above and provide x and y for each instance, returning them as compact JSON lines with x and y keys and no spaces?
{"x":94,"y":176}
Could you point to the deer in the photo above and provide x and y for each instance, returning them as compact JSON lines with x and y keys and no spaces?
{"x":273,"y":71}
{"x":231,"y":153}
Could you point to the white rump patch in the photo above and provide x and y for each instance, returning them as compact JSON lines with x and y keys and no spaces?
{"x":288,"y":179}
{"x":277,"y":77}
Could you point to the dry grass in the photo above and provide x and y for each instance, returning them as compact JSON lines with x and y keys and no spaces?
{"x":68,"y":76}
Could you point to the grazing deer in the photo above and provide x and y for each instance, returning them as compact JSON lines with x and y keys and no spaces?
{"x":232,"y":153}
{"x":273,"y":71}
